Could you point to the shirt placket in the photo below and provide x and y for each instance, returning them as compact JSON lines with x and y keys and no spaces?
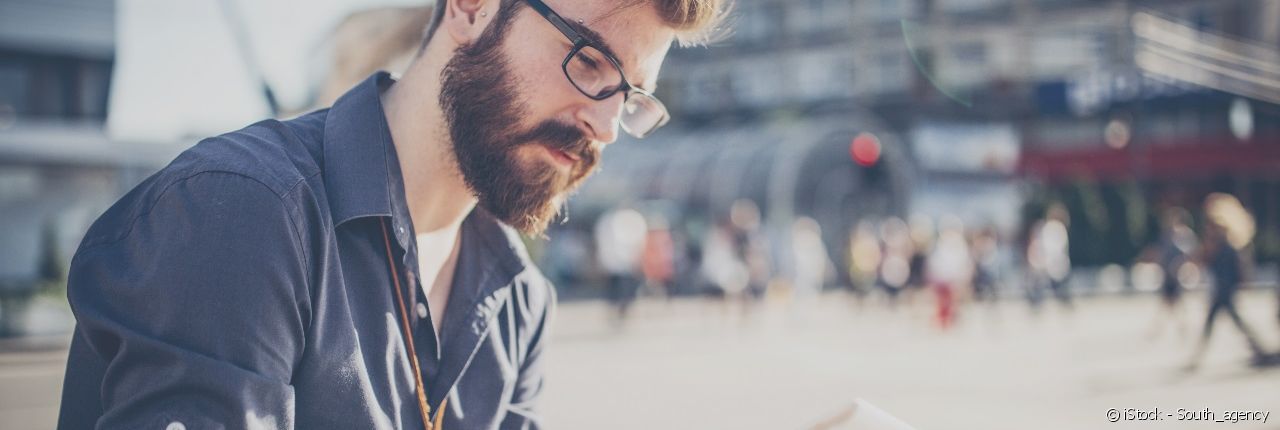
{"x":420,"y":314}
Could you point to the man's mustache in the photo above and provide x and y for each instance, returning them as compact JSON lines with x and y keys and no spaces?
{"x":563,"y":137}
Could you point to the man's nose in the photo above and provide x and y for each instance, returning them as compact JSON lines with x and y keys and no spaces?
{"x":599,"y":118}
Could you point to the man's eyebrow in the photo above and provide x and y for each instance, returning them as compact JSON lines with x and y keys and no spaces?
{"x":594,"y":37}
{"x":599,"y":42}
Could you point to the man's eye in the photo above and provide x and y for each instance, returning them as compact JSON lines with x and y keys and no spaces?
{"x":590,"y":62}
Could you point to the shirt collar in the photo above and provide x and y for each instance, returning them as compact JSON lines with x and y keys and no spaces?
{"x":357,"y":151}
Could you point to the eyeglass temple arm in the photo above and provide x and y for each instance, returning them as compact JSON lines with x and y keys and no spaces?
{"x":557,"y":21}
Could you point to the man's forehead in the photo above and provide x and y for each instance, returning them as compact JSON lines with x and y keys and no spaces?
{"x":604,"y":12}
{"x":631,"y":29}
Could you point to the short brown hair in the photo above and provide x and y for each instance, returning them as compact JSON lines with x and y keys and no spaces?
{"x":696,"y":22}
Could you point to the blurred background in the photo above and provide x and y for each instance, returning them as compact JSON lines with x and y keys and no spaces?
{"x":972,"y":213}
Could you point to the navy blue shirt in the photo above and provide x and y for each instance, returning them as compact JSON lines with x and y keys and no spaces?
{"x":247,"y":285}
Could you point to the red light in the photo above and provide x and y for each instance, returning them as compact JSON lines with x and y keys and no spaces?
{"x":865,"y":149}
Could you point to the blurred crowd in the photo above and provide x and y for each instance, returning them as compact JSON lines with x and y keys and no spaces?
{"x":639,"y":249}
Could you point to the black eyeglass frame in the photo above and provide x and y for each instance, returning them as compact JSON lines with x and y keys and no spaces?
{"x":580,"y":41}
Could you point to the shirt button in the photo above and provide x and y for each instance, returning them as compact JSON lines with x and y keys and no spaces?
{"x":176,"y":425}
{"x":422,"y":310}
{"x":401,"y":230}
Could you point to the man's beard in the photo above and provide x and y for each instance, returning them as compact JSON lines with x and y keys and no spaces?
{"x":483,"y":112}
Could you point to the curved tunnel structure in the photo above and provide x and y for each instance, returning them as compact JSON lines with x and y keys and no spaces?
{"x":788,"y":170}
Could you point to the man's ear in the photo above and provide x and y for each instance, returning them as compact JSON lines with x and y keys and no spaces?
{"x":465,"y":20}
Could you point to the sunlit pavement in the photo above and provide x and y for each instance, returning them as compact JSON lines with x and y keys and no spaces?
{"x":690,"y":365}
{"x":693,"y":364}
{"x":31,"y":383}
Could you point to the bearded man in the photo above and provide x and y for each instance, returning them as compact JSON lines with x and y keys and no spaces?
{"x":360,"y":267}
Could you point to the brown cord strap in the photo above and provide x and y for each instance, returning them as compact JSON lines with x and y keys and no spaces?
{"x":427,"y":423}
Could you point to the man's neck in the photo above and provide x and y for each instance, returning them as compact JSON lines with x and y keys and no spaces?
{"x":437,"y":196}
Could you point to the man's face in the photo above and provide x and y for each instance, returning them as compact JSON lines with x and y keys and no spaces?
{"x":523,"y":136}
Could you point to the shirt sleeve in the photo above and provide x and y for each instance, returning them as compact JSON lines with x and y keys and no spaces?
{"x":198,"y":310}
{"x":539,"y":301}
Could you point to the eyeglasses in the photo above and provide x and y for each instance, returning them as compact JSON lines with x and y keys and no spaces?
{"x":598,"y":75}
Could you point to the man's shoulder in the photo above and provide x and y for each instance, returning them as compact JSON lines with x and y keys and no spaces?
{"x":259,"y":167}
{"x":280,"y":154}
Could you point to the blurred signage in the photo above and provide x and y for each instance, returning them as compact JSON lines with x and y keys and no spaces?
{"x":1211,"y":59}
{"x":1096,"y":90}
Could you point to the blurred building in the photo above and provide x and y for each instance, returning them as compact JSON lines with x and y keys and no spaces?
{"x":985,"y":109}
{"x":839,"y":110}
{"x":1190,"y":105}
{"x":62,"y":163}
{"x":58,"y":168}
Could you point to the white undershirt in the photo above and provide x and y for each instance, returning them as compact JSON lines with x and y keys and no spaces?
{"x":437,"y":264}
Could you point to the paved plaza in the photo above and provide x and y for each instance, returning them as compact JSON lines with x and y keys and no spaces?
{"x":695,"y":364}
